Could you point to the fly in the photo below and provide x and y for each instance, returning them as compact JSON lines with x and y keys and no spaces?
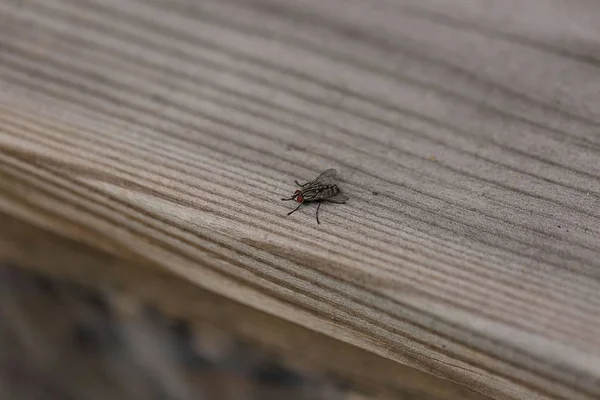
{"x":322,"y":188}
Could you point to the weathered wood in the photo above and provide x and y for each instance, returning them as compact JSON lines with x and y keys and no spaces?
{"x":466,"y":135}
{"x":64,"y":260}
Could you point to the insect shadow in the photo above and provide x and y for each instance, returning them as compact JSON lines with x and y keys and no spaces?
{"x":322,"y":188}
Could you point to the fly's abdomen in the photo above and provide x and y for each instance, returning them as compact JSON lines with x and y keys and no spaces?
{"x":324,"y":192}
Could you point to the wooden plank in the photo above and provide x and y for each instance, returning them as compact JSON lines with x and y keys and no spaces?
{"x":59,"y":260}
{"x":466,"y":137}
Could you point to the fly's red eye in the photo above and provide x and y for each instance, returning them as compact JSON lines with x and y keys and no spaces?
{"x":299,"y":199}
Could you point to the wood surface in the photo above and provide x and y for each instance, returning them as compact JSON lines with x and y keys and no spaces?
{"x":217,"y":320}
{"x":466,"y":133}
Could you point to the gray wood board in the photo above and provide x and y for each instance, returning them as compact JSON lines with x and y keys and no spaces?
{"x":466,"y":134}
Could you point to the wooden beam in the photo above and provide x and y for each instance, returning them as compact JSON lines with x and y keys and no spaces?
{"x":64,"y":260}
{"x":466,"y":135}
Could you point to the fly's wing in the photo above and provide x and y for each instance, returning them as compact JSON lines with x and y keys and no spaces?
{"x":338,"y":198}
{"x":326,"y":178}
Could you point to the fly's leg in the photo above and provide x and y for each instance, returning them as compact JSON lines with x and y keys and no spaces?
{"x":299,"y":205}
{"x":298,"y":183}
{"x":318,"y":206}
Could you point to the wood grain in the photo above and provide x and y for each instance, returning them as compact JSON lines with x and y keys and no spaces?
{"x":143,"y":284}
{"x":466,"y":135}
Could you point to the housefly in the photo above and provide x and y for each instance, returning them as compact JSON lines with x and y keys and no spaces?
{"x":322,"y":188}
